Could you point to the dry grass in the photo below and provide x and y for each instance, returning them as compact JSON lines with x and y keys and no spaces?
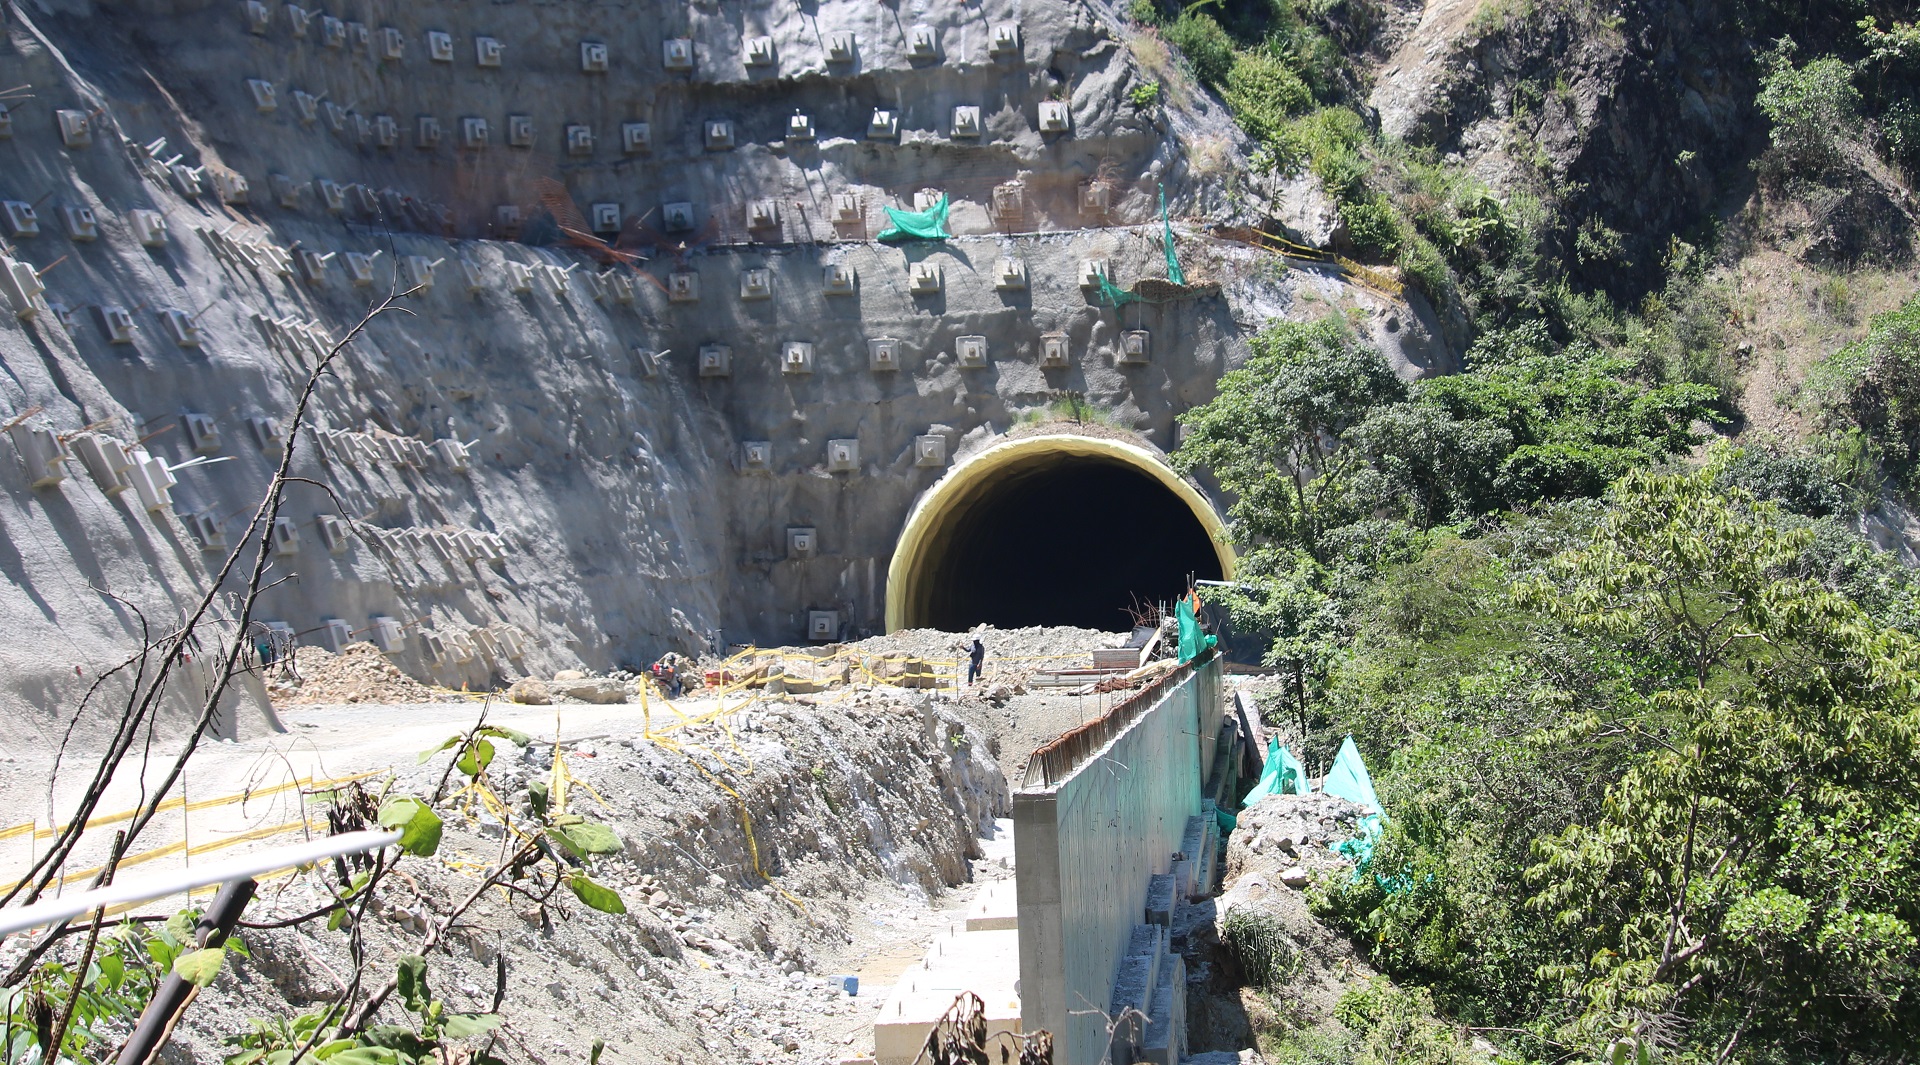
{"x":1211,"y":158}
{"x":1789,"y":316}
{"x":1157,"y":63}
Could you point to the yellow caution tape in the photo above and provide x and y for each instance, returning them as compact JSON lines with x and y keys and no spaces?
{"x":178,"y":848}
{"x":202,"y":804}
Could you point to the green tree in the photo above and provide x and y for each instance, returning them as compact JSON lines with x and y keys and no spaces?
{"x":1815,"y":109}
{"x":1874,"y":384}
{"x":1752,"y":884}
{"x":1279,"y":437}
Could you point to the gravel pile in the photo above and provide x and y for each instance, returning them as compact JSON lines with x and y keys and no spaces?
{"x":360,"y":673}
{"x":1015,"y":650}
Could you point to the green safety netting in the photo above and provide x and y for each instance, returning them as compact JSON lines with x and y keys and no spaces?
{"x":1174,"y":273}
{"x":1116,"y":297}
{"x":930,"y":224}
{"x":1113,"y":295}
{"x":1350,"y":780}
{"x":1282,"y":775}
{"x":1193,"y":642}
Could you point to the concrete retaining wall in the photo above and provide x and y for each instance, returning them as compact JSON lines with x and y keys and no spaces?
{"x":1085,"y":850}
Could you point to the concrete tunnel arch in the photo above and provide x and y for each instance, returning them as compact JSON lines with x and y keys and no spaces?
{"x":922,"y":583}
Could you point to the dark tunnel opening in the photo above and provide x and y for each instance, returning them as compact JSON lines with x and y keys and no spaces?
{"x":1076,"y":542}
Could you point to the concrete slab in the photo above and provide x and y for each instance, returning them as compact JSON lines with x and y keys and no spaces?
{"x":997,"y":908}
{"x":1160,"y":899}
{"x":986,"y":963}
{"x":1164,"y":1041}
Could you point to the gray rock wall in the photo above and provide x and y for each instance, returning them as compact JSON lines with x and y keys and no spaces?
{"x":605,"y":513}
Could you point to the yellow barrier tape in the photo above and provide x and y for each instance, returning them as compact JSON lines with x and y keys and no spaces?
{"x":206,"y":804}
{"x":19,"y":829}
{"x":746,"y":819}
{"x":1371,"y":278}
{"x":179,"y":848}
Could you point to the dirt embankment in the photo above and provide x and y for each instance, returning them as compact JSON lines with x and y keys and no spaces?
{"x":1279,"y":847}
{"x":743,"y":899}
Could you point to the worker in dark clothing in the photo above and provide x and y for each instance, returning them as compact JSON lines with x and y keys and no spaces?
{"x":974,"y":660}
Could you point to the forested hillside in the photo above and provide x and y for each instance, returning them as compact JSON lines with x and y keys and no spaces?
{"x":1622,"y":613}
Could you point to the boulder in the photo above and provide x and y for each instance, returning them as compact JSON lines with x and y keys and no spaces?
{"x":569,"y":674}
{"x":593,"y":689}
{"x":529,"y":691}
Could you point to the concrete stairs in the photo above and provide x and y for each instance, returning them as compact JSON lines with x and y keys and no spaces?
{"x":980,"y":954}
{"x":1149,"y":1004}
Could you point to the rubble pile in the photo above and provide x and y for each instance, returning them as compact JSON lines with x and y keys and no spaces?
{"x":360,"y":673}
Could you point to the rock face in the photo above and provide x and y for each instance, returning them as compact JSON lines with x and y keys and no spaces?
{"x":586,"y":436}
{"x":1644,"y":119}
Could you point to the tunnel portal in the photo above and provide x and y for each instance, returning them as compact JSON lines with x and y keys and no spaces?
{"x":1052,"y":531}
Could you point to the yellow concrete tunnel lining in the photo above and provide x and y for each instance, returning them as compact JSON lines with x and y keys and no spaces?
{"x":928,"y":524}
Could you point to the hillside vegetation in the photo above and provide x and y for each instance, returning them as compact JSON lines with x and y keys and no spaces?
{"x":1641,"y":694}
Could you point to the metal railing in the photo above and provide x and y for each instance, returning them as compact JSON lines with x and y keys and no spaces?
{"x":1054,"y":762}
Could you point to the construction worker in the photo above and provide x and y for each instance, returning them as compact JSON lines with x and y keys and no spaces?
{"x":667,"y":677}
{"x":975,"y":659}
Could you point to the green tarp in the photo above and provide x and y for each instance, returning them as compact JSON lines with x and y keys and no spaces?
{"x":930,"y":224}
{"x":1193,"y":643}
{"x":1113,"y":295}
{"x":1282,"y":775}
{"x":1350,"y":780}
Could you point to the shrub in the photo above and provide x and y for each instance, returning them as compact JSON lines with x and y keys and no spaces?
{"x":1874,"y":384}
{"x":1267,"y":955}
{"x":1801,"y":482}
{"x":1144,"y":96}
{"x":1264,"y":92}
{"x":1208,"y":49}
{"x":1814,"y":109}
{"x":1374,"y":228}
{"x":1145,"y":12}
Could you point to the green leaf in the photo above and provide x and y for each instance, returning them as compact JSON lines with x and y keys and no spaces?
{"x":431,"y":751}
{"x":397,"y":1037}
{"x":513,"y":736}
{"x":336,"y":917}
{"x":599,"y":1048}
{"x":537,"y":797}
{"x":476,"y":757}
{"x":178,"y":931}
{"x":419,"y":826}
{"x":199,"y":967}
{"x":462,"y":1025}
{"x":588,"y":838}
{"x":367,"y":1056}
{"x":412,"y":983}
{"x":599,"y":897}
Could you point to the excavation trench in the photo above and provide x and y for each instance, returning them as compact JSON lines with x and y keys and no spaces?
{"x":1052,"y":530}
